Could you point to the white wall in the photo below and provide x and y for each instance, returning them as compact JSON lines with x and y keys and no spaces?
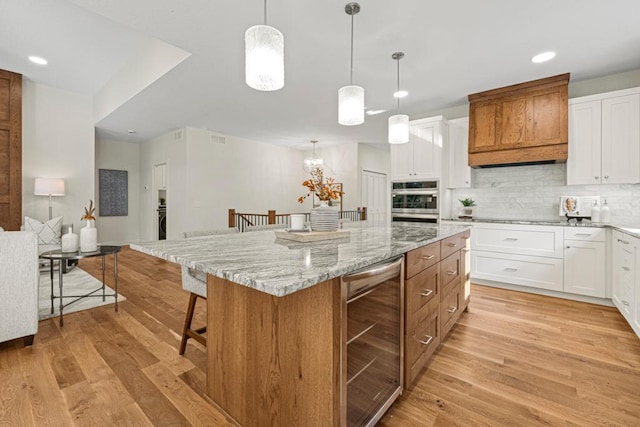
{"x":171,"y":149}
{"x":244,"y":175}
{"x":119,"y":155}
{"x":58,"y":141}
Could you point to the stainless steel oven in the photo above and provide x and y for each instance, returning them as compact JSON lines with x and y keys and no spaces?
{"x":415,"y":201}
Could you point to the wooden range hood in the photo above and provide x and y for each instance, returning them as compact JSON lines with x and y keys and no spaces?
{"x":526,"y":123}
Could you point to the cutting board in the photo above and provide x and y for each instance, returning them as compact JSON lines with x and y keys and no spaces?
{"x":311,"y":236}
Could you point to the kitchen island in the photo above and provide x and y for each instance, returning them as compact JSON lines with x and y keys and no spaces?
{"x":274,"y":315}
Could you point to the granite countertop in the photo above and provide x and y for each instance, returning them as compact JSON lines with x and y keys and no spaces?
{"x":631,"y":229}
{"x":280,"y":267}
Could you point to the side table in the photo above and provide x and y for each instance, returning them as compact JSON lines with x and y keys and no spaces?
{"x":63,"y":257}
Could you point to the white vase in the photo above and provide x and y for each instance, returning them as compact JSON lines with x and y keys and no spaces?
{"x":70,"y":241}
{"x":89,"y":237}
{"x":325,"y":218}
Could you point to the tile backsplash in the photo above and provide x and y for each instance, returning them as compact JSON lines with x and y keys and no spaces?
{"x":533,"y":193}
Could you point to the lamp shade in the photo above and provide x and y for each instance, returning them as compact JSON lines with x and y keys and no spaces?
{"x":48,"y":187}
{"x":264,"y":58}
{"x":351,"y":105}
{"x":398,"y":129}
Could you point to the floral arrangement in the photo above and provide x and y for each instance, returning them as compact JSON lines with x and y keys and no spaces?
{"x":325,"y":190}
{"x":88,"y":213}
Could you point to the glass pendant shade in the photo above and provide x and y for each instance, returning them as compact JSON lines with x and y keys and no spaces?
{"x":264,"y":58}
{"x":398,"y":129}
{"x":351,"y":105}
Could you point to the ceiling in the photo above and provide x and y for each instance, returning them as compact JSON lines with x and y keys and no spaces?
{"x":452,"y":48}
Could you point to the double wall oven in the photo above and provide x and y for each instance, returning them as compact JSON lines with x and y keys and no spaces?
{"x":415,"y":201}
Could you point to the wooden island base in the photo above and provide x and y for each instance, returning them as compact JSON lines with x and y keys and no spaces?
{"x":274,"y":361}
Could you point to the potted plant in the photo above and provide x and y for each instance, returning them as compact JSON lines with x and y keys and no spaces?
{"x":467,"y":203}
{"x":323,"y":218}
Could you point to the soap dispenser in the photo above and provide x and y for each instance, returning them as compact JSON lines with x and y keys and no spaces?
{"x":605,"y":213}
{"x":595,"y":212}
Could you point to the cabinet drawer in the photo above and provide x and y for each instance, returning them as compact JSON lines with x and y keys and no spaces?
{"x":421,"y":342}
{"x":533,"y":240}
{"x":453,"y":243}
{"x":449,"y":312}
{"x":421,"y":258}
{"x":536,"y":272}
{"x":590,"y":234}
{"x":420,"y":290}
{"x":449,"y":274}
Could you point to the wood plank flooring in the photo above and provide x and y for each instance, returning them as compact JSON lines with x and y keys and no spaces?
{"x":514,"y":359}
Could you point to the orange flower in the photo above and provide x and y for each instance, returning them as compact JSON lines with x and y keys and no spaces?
{"x":324,"y":190}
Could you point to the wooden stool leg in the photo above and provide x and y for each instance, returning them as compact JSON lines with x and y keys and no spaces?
{"x":187,"y":322}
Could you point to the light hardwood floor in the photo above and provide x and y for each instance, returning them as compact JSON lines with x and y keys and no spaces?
{"x":514,"y":359}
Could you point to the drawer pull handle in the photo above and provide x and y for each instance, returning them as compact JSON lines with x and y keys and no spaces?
{"x":426,"y":292}
{"x":624,"y":242}
{"x":428,"y":341}
{"x":428,"y":257}
{"x":510,"y":269}
{"x":583,"y":234}
{"x":626,"y":268}
{"x":568,"y":247}
{"x":452,"y":309}
{"x":452,"y":245}
{"x":465,"y":250}
{"x":597,"y":177}
{"x":624,"y":302}
{"x":452,"y":272}
{"x":511,"y":239}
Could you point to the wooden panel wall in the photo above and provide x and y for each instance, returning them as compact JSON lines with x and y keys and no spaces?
{"x":10,"y":150}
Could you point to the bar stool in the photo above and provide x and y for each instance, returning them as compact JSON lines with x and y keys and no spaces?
{"x":195,"y":282}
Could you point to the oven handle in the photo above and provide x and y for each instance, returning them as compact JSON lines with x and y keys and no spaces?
{"x":420,"y":192}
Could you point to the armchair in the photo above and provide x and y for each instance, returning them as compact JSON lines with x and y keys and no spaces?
{"x":19,"y":280}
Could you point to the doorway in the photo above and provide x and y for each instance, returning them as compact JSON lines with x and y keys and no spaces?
{"x":375,"y":196}
{"x":159,"y":200}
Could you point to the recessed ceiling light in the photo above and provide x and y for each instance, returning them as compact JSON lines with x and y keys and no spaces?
{"x":543,"y":57}
{"x":400,"y":94}
{"x":374,"y":112}
{"x":38,"y":60}
{"x":131,"y":131}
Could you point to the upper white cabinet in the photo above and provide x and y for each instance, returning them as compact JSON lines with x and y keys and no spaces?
{"x":421,"y":157}
{"x":604,"y":138}
{"x":459,"y":172}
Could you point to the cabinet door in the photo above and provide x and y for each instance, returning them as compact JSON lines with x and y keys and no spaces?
{"x":546,"y":117}
{"x":635,"y":300}
{"x":621,"y":140}
{"x":585,"y":143}
{"x":427,"y":149}
{"x":482,"y":126}
{"x":402,"y":160}
{"x":624,"y":254}
{"x":459,"y":170}
{"x":584,"y":268}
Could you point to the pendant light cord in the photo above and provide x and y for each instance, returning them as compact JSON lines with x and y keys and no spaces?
{"x":351,"y":64}
{"x":398,"y":74}
{"x":265,"y":12}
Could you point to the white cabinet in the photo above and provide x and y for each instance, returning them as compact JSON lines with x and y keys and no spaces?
{"x":625,"y":280}
{"x":585,"y":261}
{"x":421,"y":157}
{"x":525,"y":255}
{"x":459,"y":172}
{"x":604,"y":138}
{"x":160,"y":172}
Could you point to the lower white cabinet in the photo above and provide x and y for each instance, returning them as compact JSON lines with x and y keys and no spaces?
{"x":585,"y":261}
{"x":524,"y":270}
{"x":626,"y":282}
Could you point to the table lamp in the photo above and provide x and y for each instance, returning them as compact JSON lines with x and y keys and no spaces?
{"x":49,"y":187}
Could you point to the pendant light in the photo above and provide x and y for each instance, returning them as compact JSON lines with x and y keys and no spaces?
{"x":351,"y":98}
{"x":264,"y":56}
{"x":399,"y":123}
{"x":313,"y":162}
